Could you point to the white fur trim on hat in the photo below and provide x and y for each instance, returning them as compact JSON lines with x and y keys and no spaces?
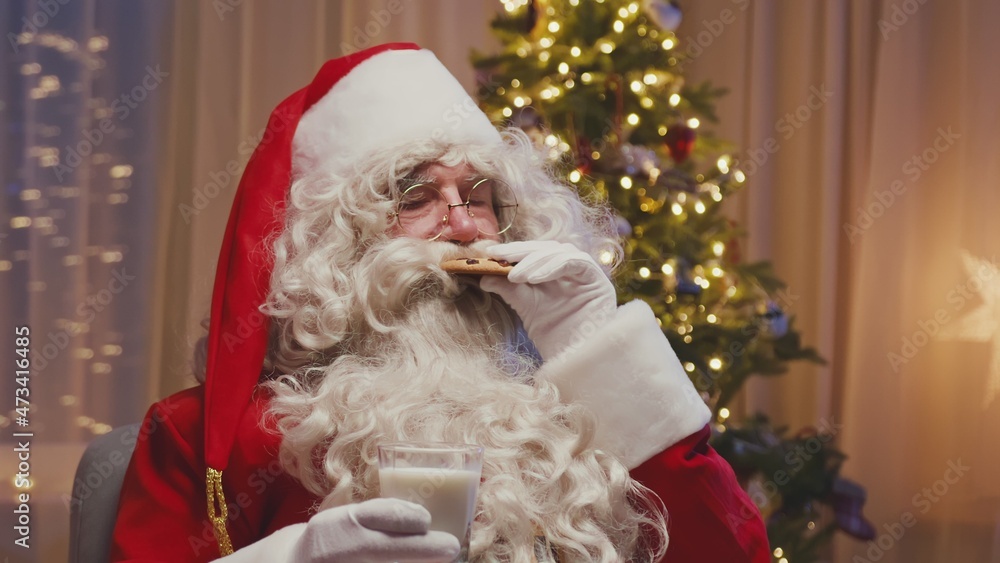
{"x":393,"y":98}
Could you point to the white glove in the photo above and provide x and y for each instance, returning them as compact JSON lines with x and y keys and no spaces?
{"x":559,"y":291}
{"x":377,"y":530}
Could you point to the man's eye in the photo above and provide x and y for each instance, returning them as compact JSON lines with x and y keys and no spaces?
{"x":417,"y":199}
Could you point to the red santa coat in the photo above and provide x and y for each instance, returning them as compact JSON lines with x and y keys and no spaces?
{"x":162,"y":509}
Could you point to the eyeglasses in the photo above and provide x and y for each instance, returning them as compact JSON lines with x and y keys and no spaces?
{"x":422,"y":208}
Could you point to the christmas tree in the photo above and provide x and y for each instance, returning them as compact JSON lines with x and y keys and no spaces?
{"x":598,"y":84}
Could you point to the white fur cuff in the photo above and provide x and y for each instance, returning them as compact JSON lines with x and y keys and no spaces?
{"x":626,"y":372}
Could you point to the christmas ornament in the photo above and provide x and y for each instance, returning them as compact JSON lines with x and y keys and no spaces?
{"x":764,"y":495}
{"x":665,"y":14}
{"x":679,"y":141}
{"x":623,"y":227}
{"x":773,"y":322}
{"x":637,"y":159}
{"x":584,"y":161}
{"x":528,"y":120}
{"x":847,"y":500}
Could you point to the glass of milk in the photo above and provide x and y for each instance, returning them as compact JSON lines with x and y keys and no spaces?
{"x":443,"y":478}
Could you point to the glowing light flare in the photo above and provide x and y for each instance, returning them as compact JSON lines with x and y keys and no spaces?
{"x":626,"y":182}
{"x":644,"y":272}
{"x":693,"y":123}
{"x":715,"y":363}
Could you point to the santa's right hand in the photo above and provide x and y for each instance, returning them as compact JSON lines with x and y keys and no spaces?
{"x":377,"y":530}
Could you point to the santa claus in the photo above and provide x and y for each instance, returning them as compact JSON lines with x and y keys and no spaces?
{"x":334,"y":328}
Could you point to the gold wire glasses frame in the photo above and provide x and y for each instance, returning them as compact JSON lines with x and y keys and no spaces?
{"x":423,"y":208}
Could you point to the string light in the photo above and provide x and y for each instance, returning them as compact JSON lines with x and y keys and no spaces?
{"x":618,"y":26}
{"x":546,"y":42}
{"x":715,"y":363}
{"x":718,"y":247}
{"x":636,"y":86}
{"x":632,"y":119}
{"x":699,"y":207}
{"x":575,"y":176}
{"x":586,"y":77}
{"x":688,"y":367}
{"x":507,"y":112}
{"x":674,"y":100}
{"x":693,"y":123}
{"x":553,"y":26}
{"x":723,"y":164}
{"x":623,"y":12}
{"x":626,"y":182}
{"x":563,"y":68}
{"x":740,"y":177}
{"x":607,"y":47}
{"x":667,"y":44}
{"x":676,"y":209}
{"x":667,"y":269}
{"x":644,"y":272}
{"x":575,"y":51}
{"x":712,"y":319}
{"x":723,"y":412}
{"x":543,"y":56}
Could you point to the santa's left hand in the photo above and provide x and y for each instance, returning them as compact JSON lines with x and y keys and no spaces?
{"x":559,"y":291}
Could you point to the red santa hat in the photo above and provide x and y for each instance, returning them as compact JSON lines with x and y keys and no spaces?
{"x":377,"y":99}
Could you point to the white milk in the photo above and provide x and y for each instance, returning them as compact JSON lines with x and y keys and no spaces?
{"x":448,"y":494}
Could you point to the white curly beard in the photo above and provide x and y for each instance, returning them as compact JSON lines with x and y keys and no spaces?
{"x":428,"y":356}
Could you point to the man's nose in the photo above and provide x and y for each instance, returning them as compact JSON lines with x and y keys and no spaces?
{"x":459,"y":226}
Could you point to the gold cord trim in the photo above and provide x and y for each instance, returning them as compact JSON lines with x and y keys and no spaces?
{"x":217,"y":510}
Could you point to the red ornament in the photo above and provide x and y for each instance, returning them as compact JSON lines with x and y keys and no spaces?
{"x":680,"y":141}
{"x":584,"y":161}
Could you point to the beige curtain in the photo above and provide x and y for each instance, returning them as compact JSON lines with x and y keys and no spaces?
{"x":868,"y":130}
{"x":233,"y":62}
{"x":876,"y":202}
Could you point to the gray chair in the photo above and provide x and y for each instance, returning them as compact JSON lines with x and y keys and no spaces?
{"x":96,"y":486}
